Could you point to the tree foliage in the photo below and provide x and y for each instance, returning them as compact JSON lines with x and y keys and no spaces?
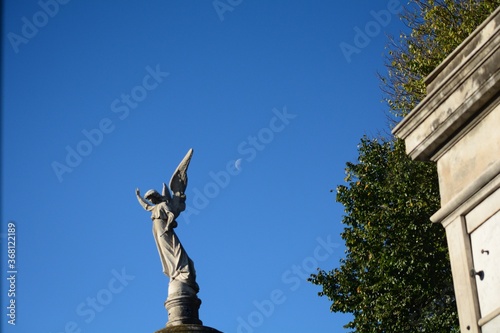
{"x":436,"y":28}
{"x":396,"y":275}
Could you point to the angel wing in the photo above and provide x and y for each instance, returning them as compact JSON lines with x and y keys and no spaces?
{"x":178,"y":184}
{"x":166,"y":194}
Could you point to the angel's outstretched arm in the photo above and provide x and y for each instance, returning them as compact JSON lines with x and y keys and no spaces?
{"x":142,"y":201}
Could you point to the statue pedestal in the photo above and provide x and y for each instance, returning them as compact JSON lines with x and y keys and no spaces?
{"x":183,"y":309}
{"x":183,"y":315}
{"x":188,"y":328}
{"x":182,"y":306}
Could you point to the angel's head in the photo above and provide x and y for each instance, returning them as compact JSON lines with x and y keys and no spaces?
{"x":153,"y":196}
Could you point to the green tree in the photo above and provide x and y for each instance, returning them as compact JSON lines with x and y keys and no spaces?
{"x":436,"y":28}
{"x":396,"y":275}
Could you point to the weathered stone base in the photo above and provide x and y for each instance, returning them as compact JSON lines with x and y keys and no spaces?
{"x":182,"y":304}
{"x":183,"y":309}
{"x":188,"y":328}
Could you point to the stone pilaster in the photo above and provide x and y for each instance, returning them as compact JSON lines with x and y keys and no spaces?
{"x":457,"y":125}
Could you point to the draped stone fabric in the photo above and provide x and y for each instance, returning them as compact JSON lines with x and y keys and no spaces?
{"x":174,"y":259}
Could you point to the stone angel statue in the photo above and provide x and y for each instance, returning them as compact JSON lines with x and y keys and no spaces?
{"x":165,"y":208}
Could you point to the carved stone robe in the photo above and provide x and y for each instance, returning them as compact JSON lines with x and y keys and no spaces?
{"x":175,"y":261}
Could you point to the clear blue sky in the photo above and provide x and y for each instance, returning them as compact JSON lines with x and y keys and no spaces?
{"x":101,"y":97}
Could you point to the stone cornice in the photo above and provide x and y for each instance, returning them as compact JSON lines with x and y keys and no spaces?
{"x":457,"y":90}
